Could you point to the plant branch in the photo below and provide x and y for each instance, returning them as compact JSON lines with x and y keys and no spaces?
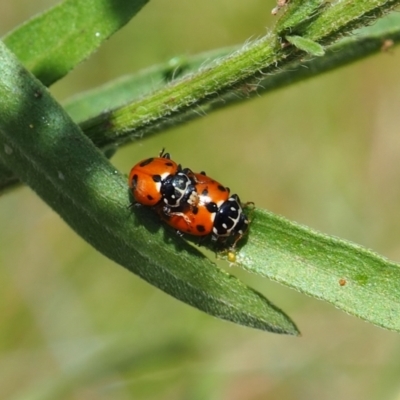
{"x":240,"y":71}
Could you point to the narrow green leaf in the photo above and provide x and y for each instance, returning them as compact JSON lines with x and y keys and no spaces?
{"x":43,"y":146}
{"x":53,"y":43}
{"x":349,"y":276}
{"x":307,"y":45}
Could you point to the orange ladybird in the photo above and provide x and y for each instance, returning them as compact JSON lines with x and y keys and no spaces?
{"x":146,"y":178}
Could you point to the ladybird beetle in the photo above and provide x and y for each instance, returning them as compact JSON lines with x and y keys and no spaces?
{"x":192,"y":203}
{"x":214,"y":212}
{"x":230,"y":220}
{"x":146,"y":178}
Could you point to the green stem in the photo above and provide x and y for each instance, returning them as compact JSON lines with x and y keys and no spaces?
{"x":242,"y":71}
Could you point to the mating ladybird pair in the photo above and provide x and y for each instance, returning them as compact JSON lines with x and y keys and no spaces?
{"x":192,"y":203}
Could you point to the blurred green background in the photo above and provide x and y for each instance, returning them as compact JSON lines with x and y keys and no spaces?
{"x":74,"y":325}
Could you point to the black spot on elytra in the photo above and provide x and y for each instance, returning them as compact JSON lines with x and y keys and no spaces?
{"x":221,"y":188}
{"x":200,"y":228}
{"x":134,"y":181}
{"x":146,"y":162}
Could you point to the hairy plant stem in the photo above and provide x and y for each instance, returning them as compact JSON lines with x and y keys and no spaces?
{"x":240,"y":72}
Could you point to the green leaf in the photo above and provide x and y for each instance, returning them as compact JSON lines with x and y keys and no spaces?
{"x":42,"y":145}
{"x":54,"y":42}
{"x":307,"y":45}
{"x":349,"y":276}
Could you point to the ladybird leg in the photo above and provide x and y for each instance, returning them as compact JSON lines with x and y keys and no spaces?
{"x":215,"y":239}
{"x":134,"y":204}
{"x":244,"y":231}
{"x":132,"y":201}
{"x":200,"y":240}
{"x":219,"y":244}
{"x":236,"y":240}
